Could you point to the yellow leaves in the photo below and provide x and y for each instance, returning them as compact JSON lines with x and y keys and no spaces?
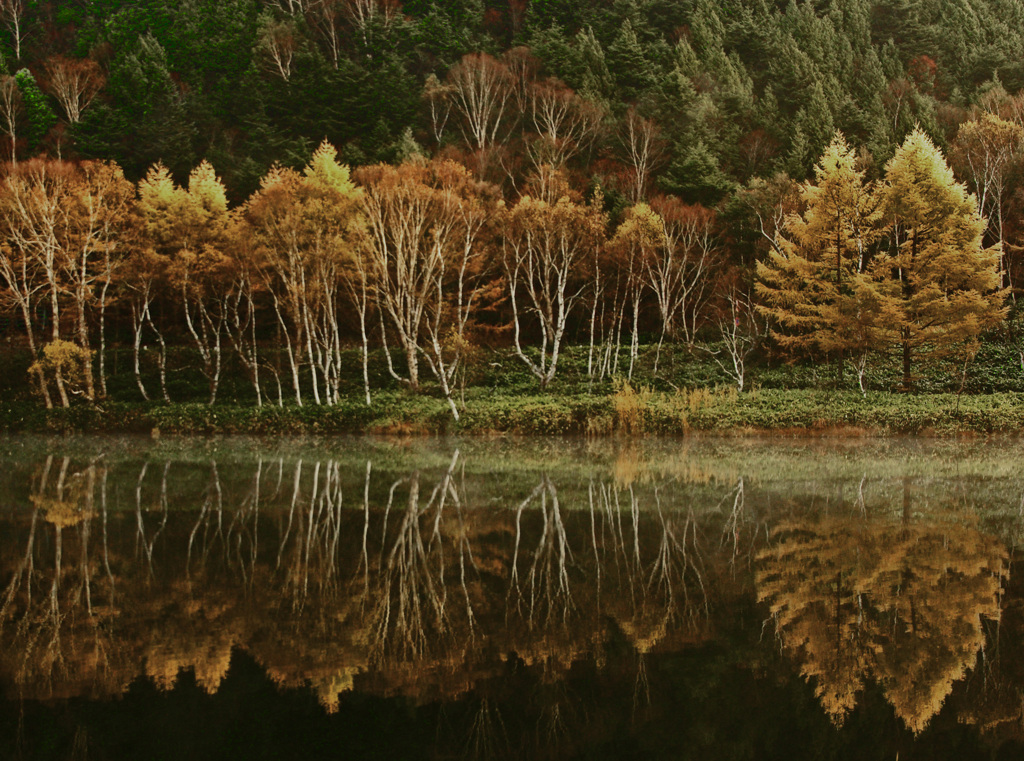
{"x":989,"y":142}
{"x":641,"y":227}
{"x":939,"y":288}
{"x":325,"y":173}
{"x":175,"y":214}
{"x":159,"y":200}
{"x":555,"y":213}
{"x":298,"y":222}
{"x":919,"y":186}
{"x":900,"y":603}
{"x":206,"y":199}
{"x":189,"y":225}
{"x":932,"y":290}
{"x":64,"y":360}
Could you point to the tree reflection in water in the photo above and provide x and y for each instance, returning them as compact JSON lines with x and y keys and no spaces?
{"x":900,"y":603}
{"x":428,"y":583}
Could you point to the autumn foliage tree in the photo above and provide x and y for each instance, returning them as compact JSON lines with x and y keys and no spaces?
{"x":188,"y":225}
{"x":856,"y":600}
{"x":812,"y":283}
{"x":939,"y":285}
{"x":427,"y":224}
{"x":547,"y":237}
{"x":67,"y":227}
{"x":988,"y":148}
{"x":683,"y":272}
{"x":305,"y":229}
{"x":74,"y":83}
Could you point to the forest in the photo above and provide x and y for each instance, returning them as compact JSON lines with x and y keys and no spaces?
{"x":278,"y":191}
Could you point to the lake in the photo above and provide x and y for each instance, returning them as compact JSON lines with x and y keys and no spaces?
{"x":511,"y":598}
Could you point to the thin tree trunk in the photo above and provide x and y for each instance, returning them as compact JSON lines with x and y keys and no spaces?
{"x":138,"y":320}
{"x":161,"y":357}
{"x":103,"y":338}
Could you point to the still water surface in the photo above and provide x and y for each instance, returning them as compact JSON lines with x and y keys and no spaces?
{"x":367,"y":598}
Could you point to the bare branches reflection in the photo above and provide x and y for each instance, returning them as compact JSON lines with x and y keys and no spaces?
{"x":438,"y":581}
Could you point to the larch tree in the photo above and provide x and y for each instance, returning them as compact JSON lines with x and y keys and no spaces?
{"x":811,"y":285}
{"x":809,"y":577}
{"x":938,"y":285}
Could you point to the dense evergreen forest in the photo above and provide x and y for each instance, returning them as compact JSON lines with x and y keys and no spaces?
{"x":657,"y":146}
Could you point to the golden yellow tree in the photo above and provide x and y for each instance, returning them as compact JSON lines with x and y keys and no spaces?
{"x":812,"y":283}
{"x":899,"y":603}
{"x":189,"y":227}
{"x":938,"y":285}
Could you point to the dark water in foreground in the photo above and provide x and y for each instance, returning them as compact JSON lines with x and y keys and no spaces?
{"x":450,"y":599}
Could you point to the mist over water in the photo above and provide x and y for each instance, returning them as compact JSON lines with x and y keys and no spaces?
{"x":510,"y":598}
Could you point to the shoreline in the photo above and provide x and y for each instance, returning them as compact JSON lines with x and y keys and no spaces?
{"x":775,"y":413}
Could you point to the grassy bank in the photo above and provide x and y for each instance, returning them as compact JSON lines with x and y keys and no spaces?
{"x":623,"y":411}
{"x":687,"y":393}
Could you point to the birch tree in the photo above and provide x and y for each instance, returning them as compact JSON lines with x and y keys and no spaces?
{"x":426,"y":223}
{"x":635,"y":243}
{"x":12,"y":12}
{"x":642,"y":148}
{"x":306,"y":228}
{"x":547,"y":238}
{"x":681,"y":272}
{"x":38,"y":213}
{"x":19,"y":270}
{"x":480,"y":90}
{"x":564,"y":123}
{"x":190,"y":226}
{"x":103,"y":237}
{"x":74,"y":83}
{"x":989,"y":148}
{"x":10,"y":109}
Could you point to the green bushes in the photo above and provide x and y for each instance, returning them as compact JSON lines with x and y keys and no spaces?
{"x":626,"y":411}
{"x":687,"y":395}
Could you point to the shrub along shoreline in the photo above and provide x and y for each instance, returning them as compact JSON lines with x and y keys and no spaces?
{"x":624,"y":412}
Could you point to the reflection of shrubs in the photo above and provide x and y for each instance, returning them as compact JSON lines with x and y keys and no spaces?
{"x":65,"y":363}
{"x":60,"y":513}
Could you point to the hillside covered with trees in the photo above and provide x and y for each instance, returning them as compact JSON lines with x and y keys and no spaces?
{"x":746,"y":181}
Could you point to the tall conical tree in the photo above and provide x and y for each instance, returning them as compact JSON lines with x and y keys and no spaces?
{"x":939,"y":286}
{"x":811,"y":283}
